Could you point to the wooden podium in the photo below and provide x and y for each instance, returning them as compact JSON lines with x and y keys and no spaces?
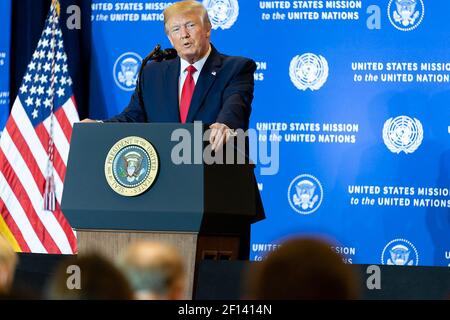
{"x":203,"y":210}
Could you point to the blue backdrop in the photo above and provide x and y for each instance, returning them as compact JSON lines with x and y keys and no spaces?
{"x":5,"y":26}
{"x":359,"y":94}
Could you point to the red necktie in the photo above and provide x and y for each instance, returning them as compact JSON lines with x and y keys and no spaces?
{"x":186,"y":93}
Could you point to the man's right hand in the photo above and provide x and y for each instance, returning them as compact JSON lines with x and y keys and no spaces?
{"x":87,"y":120}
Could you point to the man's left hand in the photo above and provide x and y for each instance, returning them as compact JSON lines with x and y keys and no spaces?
{"x":220,"y":134}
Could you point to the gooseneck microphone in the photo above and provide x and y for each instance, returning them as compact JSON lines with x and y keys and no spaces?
{"x":157,"y":55}
{"x":166,"y":54}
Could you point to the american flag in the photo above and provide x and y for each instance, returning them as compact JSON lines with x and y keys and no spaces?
{"x":34,"y":148}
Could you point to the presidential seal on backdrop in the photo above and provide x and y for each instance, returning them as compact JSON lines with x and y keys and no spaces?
{"x":400,"y":252}
{"x":308,"y":71}
{"x":126,"y":69}
{"x":222,"y":13}
{"x":402,"y":134}
{"x":406,"y":15}
{"x":131,"y":166}
{"x":305,"y":194}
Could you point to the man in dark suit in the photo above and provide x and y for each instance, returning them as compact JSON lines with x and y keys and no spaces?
{"x":200,"y":84}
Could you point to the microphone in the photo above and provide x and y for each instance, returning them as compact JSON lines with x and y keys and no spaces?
{"x":166,"y":54}
{"x":158,"y":55}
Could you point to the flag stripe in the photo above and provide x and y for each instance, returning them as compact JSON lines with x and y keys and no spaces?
{"x":59,"y":139}
{"x":37,"y":145}
{"x":10,"y":231}
{"x":71,"y":237}
{"x":37,"y":174}
{"x":16,"y":211}
{"x":34,"y":191}
{"x":24,"y":149}
{"x":58,"y":162}
{"x":71,"y":115}
{"x":71,"y":111}
{"x":23,"y":196}
{"x":64,"y":123}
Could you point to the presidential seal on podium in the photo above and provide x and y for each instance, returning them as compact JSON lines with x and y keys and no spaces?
{"x":131,"y":166}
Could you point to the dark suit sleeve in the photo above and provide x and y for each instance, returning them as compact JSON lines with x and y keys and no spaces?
{"x":132,"y":113}
{"x":238,"y":97}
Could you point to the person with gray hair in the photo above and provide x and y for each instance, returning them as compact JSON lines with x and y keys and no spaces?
{"x":154,"y":270}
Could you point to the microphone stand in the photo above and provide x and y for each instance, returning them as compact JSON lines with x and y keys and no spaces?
{"x":155,"y":51}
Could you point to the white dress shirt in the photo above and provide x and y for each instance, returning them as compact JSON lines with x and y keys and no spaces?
{"x":183,"y":73}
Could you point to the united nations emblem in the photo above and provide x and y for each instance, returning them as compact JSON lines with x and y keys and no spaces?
{"x":126,"y":70}
{"x":402,"y":134}
{"x":400,"y":252}
{"x":131,"y":166}
{"x":308,"y":71}
{"x":222,"y":13}
{"x":406,"y":15}
{"x":305,"y":194}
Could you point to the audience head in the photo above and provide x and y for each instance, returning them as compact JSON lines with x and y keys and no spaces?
{"x":155,"y":271}
{"x":303,"y":268}
{"x":8,"y":263}
{"x":98,"y":279}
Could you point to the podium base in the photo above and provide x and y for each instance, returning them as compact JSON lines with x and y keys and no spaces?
{"x":111,"y":244}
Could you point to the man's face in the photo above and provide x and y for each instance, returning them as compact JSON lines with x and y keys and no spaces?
{"x":188,"y":36}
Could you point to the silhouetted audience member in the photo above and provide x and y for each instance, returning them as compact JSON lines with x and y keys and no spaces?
{"x":303,"y":269}
{"x":8,"y":263}
{"x":155,"y":271}
{"x":98,"y":279}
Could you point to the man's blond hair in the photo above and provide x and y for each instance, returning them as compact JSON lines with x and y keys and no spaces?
{"x":186,"y":7}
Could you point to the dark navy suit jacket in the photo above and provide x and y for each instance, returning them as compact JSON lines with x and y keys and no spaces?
{"x":223,"y":93}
